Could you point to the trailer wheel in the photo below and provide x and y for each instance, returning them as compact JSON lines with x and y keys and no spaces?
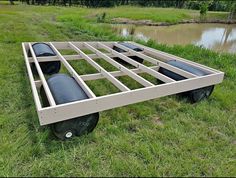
{"x":75,"y":127}
{"x":62,"y":134}
{"x":200,"y":94}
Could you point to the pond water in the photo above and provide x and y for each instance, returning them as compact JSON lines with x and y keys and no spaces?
{"x":218,"y":37}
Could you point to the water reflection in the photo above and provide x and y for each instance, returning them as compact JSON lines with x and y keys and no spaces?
{"x":219,"y":37}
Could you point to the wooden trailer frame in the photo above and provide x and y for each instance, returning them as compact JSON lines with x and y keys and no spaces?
{"x":61,"y":112}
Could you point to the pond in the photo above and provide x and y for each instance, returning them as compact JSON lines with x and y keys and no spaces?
{"x":218,"y":37}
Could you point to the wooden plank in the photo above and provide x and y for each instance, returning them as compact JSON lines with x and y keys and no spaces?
{"x":83,"y":85}
{"x":121,"y":67}
{"x":114,"y":73}
{"x":166,"y":56}
{"x":70,"y":110}
{"x":157,"y":62}
{"x":71,"y":57}
{"x":96,"y":76}
{"x":41,"y":75}
{"x":138,"y":65}
{"x":112,"y":79}
{"x":31,"y":78}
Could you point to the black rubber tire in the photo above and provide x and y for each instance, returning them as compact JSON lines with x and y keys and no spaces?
{"x":75,"y":127}
{"x":131,"y":46}
{"x":48,"y":68}
{"x":200,"y":94}
{"x":42,"y":50}
{"x":135,"y":58}
{"x":196,"y":95}
{"x":65,"y":89}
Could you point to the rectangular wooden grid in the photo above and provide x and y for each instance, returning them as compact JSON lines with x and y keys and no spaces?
{"x":55,"y":113}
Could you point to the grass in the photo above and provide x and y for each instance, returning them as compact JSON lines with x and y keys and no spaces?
{"x":4,"y":2}
{"x":139,"y":13}
{"x":161,"y":137}
{"x":171,"y":15}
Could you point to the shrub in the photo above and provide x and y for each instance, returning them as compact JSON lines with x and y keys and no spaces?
{"x":101,"y":17}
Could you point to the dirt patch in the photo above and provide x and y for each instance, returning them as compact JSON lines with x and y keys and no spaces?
{"x":158,"y":121}
{"x":151,"y":23}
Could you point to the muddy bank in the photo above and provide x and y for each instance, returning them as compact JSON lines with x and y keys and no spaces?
{"x":151,"y":23}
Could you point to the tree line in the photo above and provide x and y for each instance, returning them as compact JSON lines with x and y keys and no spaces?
{"x":212,"y":5}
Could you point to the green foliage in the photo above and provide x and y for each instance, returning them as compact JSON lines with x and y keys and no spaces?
{"x":232,"y":8}
{"x":214,"y":5}
{"x":101,"y":17}
{"x":203,"y":8}
{"x":162,"y":137}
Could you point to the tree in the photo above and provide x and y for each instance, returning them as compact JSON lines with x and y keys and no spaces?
{"x":213,"y":5}
{"x":11,"y":2}
{"x":203,"y":8}
{"x":232,"y":8}
{"x":179,"y":3}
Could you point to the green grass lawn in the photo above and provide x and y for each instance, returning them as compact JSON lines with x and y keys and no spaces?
{"x":154,"y":14}
{"x":171,"y":15}
{"x":161,"y":137}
